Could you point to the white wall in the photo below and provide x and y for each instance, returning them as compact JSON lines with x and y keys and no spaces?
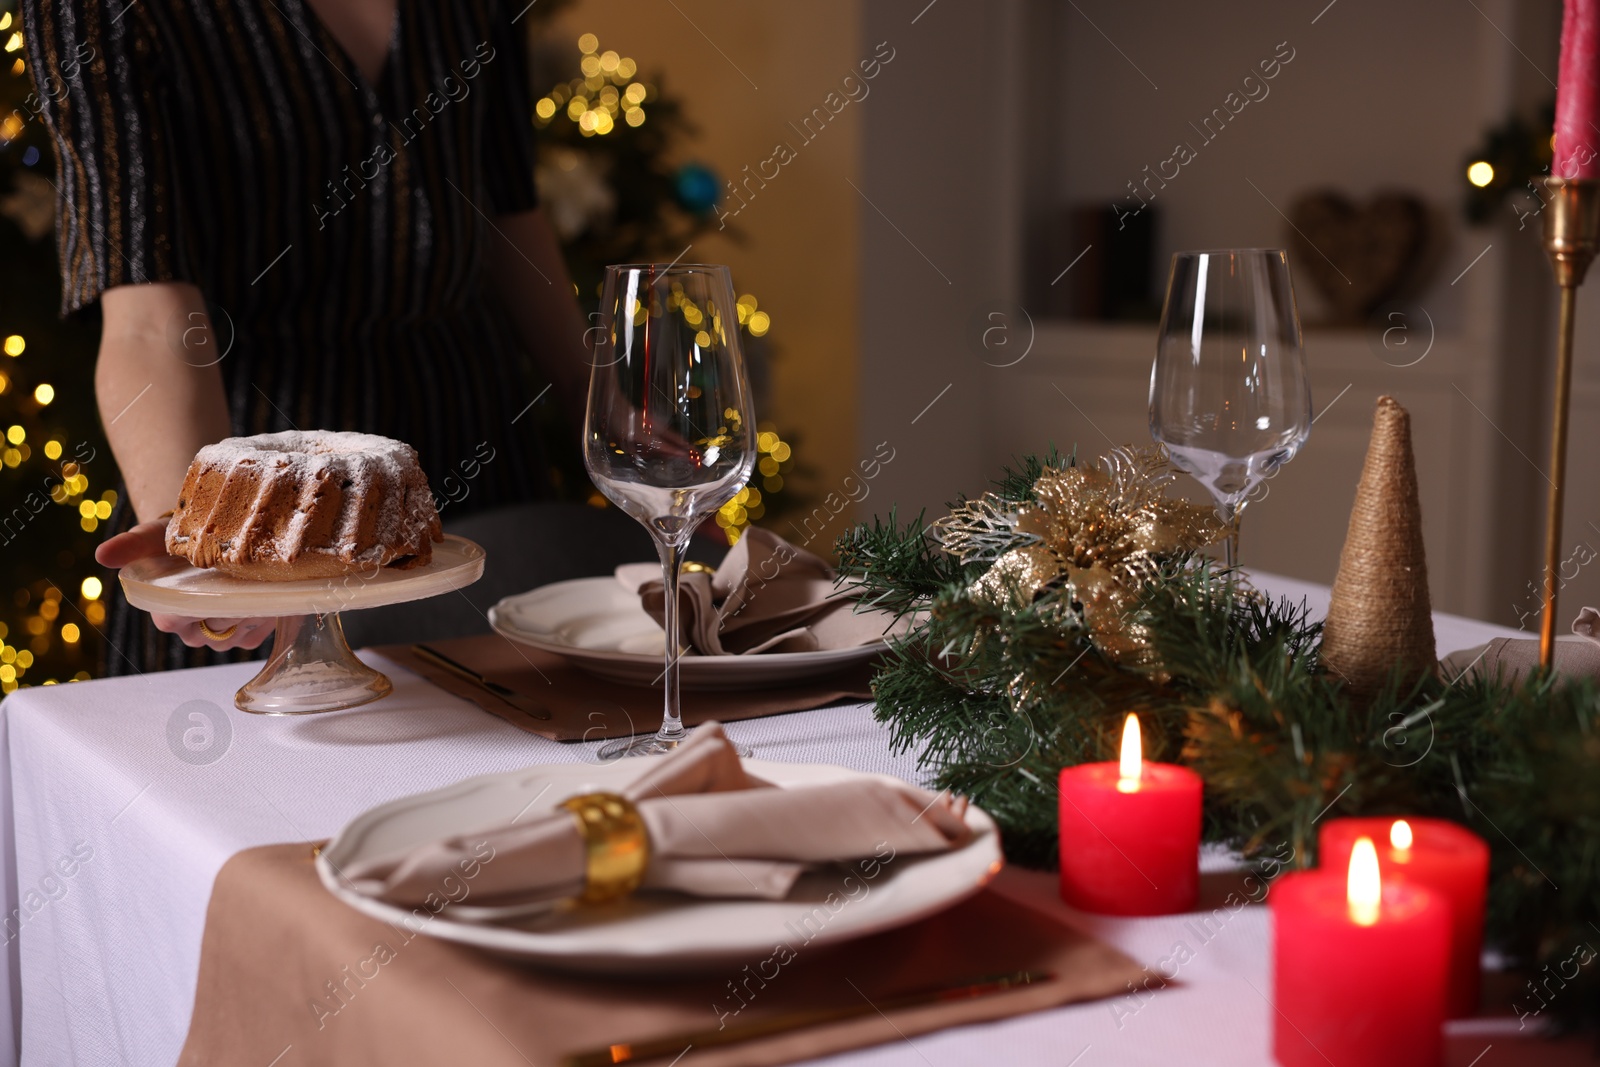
{"x":1002,"y":113}
{"x":1376,"y":96}
{"x":939,"y":229}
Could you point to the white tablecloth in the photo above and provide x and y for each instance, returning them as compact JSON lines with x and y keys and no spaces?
{"x":124,"y":797}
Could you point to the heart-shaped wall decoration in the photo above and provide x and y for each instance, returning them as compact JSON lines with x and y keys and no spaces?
{"x":1357,"y":257}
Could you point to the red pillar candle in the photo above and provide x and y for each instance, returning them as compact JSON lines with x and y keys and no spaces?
{"x":1446,"y":858}
{"x":1359,"y":968}
{"x":1577,"y":147}
{"x":1130,"y":834}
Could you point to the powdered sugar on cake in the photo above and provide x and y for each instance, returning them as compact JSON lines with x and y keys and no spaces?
{"x":303,"y":504}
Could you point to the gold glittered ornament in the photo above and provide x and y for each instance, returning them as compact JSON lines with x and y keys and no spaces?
{"x":1103,"y":530}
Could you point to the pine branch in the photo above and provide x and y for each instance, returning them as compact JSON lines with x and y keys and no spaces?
{"x":997,"y":694}
{"x":1016,"y":484}
{"x":899,"y":568}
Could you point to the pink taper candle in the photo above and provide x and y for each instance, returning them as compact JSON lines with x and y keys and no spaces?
{"x":1577,"y":148}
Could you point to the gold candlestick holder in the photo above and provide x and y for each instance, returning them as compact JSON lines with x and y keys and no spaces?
{"x":1571,"y":238}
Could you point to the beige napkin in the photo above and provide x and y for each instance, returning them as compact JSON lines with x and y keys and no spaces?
{"x":714,"y":831}
{"x":1509,"y":657}
{"x":768,"y":596}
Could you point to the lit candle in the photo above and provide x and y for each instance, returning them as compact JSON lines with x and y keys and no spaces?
{"x":1577,"y":146}
{"x":1359,"y":967}
{"x":1446,"y":858}
{"x":1130,"y":834}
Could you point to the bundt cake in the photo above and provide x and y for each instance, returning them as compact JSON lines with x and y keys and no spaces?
{"x":282,"y":506}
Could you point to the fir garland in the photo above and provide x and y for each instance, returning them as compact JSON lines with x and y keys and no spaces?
{"x":999,"y":693}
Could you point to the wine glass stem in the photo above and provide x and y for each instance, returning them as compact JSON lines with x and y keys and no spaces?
{"x":671,"y":563}
{"x":1230,"y":547}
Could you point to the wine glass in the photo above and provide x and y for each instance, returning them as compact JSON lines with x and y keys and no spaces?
{"x":669,"y":436}
{"x":1229,"y":396}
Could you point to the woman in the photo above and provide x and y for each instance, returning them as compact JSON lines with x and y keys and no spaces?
{"x":301,"y":214}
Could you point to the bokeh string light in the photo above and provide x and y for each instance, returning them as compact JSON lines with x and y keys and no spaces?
{"x":41,"y":619}
{"x":603,"y":98}
{"x":606,"y":101}
{"x":776,"y":454}
{"x":56,"y":493}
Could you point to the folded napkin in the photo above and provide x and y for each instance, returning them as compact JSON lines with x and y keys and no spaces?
{"x":1509,"y":658}
{"x":768,"y":596}
{"x":714,"y":830}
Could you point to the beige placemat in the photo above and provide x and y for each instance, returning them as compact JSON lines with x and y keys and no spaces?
{"x":583,"y":707}
{"x":288,"y":970}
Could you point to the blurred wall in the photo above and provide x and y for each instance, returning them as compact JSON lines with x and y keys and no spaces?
{"x":940,"y":242}
{"x":1363,"y":99}
{"x":1003,"y":112}
{"x":744,"y":72}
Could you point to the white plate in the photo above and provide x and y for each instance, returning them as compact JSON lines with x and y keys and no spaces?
{"x":171,"y":584}
{"x":598,"y":625}
{"x":656,"y":932}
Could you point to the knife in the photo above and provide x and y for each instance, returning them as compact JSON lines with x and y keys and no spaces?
{"x":680,"y":1043}
{"x":526,"y":705}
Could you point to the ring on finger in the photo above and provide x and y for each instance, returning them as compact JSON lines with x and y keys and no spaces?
{"x":217,"y":635}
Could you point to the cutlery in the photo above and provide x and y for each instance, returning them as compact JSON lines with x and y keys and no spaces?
{"x":524,"y":704}
{"x":778,"y":1024}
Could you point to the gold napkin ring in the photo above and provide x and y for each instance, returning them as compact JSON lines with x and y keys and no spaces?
{"x":616,"y":846}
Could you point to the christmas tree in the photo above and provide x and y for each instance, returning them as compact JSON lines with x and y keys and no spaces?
{"x":56,"y":472}
{"x":614,"y":194}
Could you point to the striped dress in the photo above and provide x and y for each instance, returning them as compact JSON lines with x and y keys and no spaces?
{"x":336,"y":227}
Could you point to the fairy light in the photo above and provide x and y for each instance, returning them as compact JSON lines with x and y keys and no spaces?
{"x":603,"y":100}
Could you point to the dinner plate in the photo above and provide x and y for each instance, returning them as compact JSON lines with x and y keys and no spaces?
{"x":656,"y":932}
{"x":598,"y":625}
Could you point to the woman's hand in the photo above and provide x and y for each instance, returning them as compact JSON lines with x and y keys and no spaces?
{"x":160,"y":332}
{"x":150,"y":539}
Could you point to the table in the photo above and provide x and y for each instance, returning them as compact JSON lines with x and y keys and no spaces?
{"x":120,"y":800}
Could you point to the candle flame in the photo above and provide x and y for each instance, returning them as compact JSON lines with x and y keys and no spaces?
{"x":1132,"y":755}
{"x":1364,"y":887}
{"x":1400,"y":835}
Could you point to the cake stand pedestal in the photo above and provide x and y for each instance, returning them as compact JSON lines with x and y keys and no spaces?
{"x":312,"y":668}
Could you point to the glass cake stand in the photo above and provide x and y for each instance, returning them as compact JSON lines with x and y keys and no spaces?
{"x":312,"y":668}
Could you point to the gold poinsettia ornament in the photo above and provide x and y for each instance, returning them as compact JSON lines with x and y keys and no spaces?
{"x":1102,"y":529}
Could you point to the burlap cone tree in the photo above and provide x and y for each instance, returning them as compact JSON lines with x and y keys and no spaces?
{"x":1381,"y":615}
